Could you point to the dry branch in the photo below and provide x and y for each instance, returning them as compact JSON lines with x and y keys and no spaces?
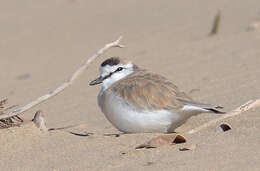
{"x":252,"y":104}
{"x":65,"y":84}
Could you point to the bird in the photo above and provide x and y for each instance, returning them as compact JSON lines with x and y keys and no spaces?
{"x":136,"y":100}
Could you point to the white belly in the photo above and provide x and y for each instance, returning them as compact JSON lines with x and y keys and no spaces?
{"x":130,"y":120}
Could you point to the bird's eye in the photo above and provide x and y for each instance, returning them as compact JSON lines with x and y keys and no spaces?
{"x":119,"y":69}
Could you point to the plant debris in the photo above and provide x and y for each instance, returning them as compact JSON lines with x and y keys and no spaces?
{"x":216,"y":23}
{"x":39,"y":121}
{"x":191,"y":147}
{"x":179,"y":139}
{"x":86,"y":134}
{"x":163,"y":140}
{"x":223,"y":127}
{"x":8,"y":122}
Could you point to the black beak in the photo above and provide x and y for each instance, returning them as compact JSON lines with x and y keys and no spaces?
{"x":97,"y":81}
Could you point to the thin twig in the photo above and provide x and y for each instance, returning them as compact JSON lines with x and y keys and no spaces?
{"x":252,"y":104}
{"x":65,"y":84}
{"x":216,"y":23}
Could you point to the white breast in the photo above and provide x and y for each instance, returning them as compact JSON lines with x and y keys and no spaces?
{"x":128,"y":119}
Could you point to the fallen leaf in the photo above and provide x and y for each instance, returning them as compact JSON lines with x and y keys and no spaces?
{"x":223,"y":127}
{"x":39,"y":121}
{"x":81,"y":135}
{"x":163,"y":140}
{"x":179,"y":139}
{"x":191,"y":147}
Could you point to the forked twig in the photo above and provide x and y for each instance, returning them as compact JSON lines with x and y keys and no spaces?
{"x":252,"y":104}
{"x":65,"y":84}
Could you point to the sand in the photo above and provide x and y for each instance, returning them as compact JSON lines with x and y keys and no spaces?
{"x":43,"y":42}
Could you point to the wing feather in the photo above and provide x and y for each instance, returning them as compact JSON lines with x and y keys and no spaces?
{"x":150,"y":91}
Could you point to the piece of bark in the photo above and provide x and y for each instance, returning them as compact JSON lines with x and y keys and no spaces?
{"x":39,"y":121}
{"x":191,"y":147}
{"x":223,"y":127}
{"x":162,"y":141}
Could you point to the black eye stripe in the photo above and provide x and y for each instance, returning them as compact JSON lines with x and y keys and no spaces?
{"x":108,"y":75}
{"x":117,"y":70}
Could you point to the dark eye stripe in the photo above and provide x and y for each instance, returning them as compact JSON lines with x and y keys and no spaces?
{"x":109,"y":75}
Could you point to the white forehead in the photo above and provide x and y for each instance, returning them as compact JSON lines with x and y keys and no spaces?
{"x":107,"y":69}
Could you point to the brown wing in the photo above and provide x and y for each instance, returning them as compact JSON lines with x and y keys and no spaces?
{"x":150,"y":91}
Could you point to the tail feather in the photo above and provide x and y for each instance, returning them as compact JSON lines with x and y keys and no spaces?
{"x":204,"y":108}
{"x":201,"y":107}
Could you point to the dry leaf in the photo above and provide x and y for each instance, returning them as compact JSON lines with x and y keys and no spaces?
{"x":39,"y":120}
{"x":163,"y":140}
{"x":179,"y":139}
{"x":191,"y":147}
{"x":223,"y":127}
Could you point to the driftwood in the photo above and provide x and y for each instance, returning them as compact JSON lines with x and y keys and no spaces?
{"x":66,"y":84}
{"x":252,"y":104}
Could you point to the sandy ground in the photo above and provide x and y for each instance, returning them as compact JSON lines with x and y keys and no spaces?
{"x":43,"y":42}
